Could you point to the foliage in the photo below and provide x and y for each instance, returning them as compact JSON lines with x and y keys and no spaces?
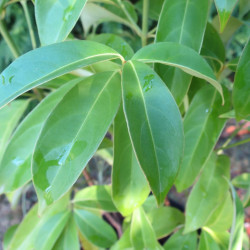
{"x":153,"y":82}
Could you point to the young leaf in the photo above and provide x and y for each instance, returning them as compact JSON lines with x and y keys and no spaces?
{"x":142,"y":234}
{"x":129,"y":185}
{"x":155,"y":126}
{"x":55,"y":19}
{"x":224,"y":8}
{"x":15,"y":169}
{"x":178,"y":56}
{"x":202,"y":128}
{"x":69,"y":237}
{"x":241,"y":89}
{"x":98,"y":197}
{"x":207,"y":242}
{"x":95,"y":229}
{"x":242,"y":181}
{"x":164,"y":220}
{"x":208,"y":192}
{"x":191,"y":13}
{"x":9,"y":117}
{"x":179,"y":241}
{"x":72,"y":134}
{"x":43,"y":64}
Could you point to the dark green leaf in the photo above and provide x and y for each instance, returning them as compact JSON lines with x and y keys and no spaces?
{"x":155,"y":126}
{"x":73,"y":133}
{"x":95,"y":229}
{"x":46,"y":63}
{"x":55,"y":19}
{"x":129,"y":185}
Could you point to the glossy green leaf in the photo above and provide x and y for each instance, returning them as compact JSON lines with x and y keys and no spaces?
{"x":98,"y":197}
{"x":8,"y":235}
{"x":202,"y":128}
{"x":69,"y":237}
{"x":41,"y":233}
{"x":242,"y":181}
{"x":66,"y":145}
{"x":15,"y":169}
{"x":208,"y":192}
{"x":178,"y":56}
{"x":155,"y":126}
{"x":164,"y":220}
{"x":237,"y":230}
{"x":46,"y":63}
{"x":176,"y":24}
{"x":129,"y":185}
{"x":241,"y":89}
{"x":180,"y":241}
{"x":9,"y":117}
{"x":207,"y":242}
{"x":95,"y":229}
{"x":222,"y":217}
{"x":224,"y":8}
{"x":142,"y":234}
{"x":55,"y":19}
{"x":115,"y":42}
{"x":124,"y":242}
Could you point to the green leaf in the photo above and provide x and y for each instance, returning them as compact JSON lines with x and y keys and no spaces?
{"x":178,"y":241}
{"x":142,"y":234}
{"x":207,"y":242}
{"x":150,"y":204}
{"x":8,"y":235}
{"x":15,"y":169}
{"x":208,"y":192}
{"x":237,"y":230}
{"x":178,"y":56}
{"x":69,"y":237}
{"x":55,"y":19}
{"x":115,"y":42}
{"x":46,"y":63}
{"x":242,"y":181}
{"x":95,"y":229}
{"x":176,"y":24}
{"x":59,"y":81}
{"x":222,"y":217}
{"x":241,"y":89}
{"x":129,"y":185}
{"x":224,"y":8}
{"x":41,"y":233}
{"x":66,"y":145}
{"x":98,"y":197}
{"x":124,"y":242}
{"x":155,"y":126}
{"x":202,"y":128}
{"x":9,"y":117}
{"x":164,"y":220}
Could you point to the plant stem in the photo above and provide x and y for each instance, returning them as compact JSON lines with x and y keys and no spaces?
{"x":237,"y":143}
{"x":145,"y":22}
{"x":28,"y":19}
{"x":8,"y":39}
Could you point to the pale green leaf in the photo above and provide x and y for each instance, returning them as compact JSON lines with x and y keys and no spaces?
{"x":242,"y":181}
{"x":207,"y":242}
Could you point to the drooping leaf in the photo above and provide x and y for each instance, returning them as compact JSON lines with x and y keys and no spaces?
{"x":164,"y":220}
{"x":241,"y":89}
{"x":98,"y":197}
{"x":46,"y":63}
{"x":15,"y":169}
{"x":41,"y":233}
{"x":178,"y":56}
{"x":142,"y":234}
{"x":155,"y":126}
{"x":55,"y":19}
{"x":129,"y":185}
{"x":208,"y":192}
{"x":242,"y":181}
{"x":180,"y":241}
{"x":9,"y":117}
{"x":95,"y":229}
{"x":207,"y":242}
{"x":202,"y":128}
{"x":69,"y":237}
{"x":73,"y":133}
{"x":224,"y":8}
{"x":176,"y":24}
